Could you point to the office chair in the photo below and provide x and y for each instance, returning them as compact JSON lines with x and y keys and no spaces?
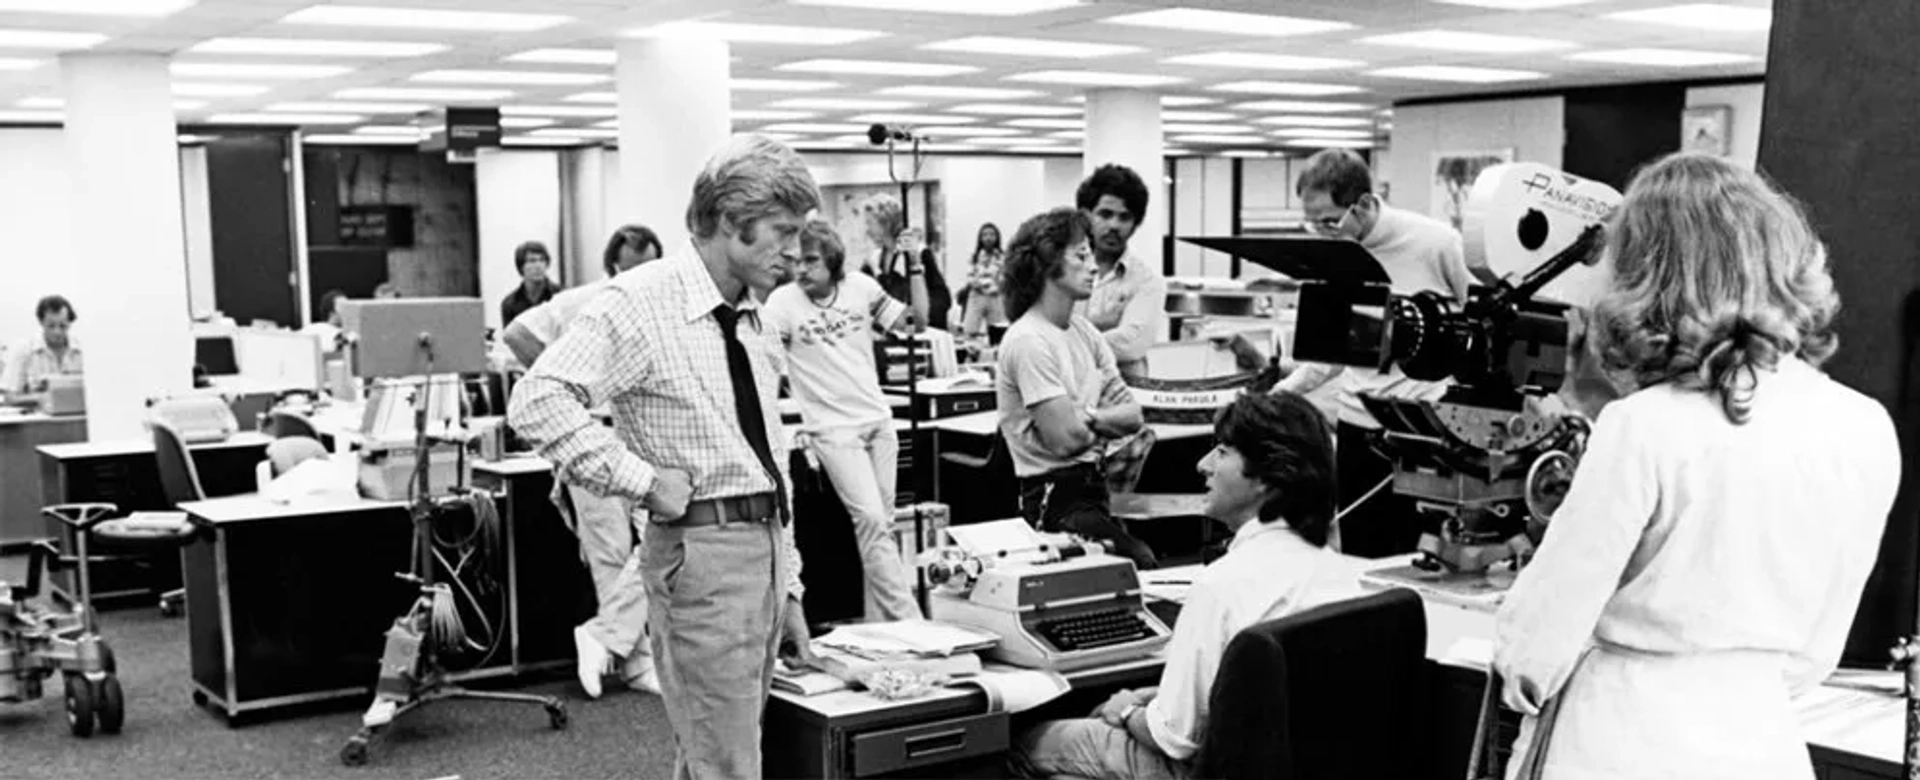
{"x":1336,"y":692}
{"x":179,"y":483}
{"x":281,"y":425}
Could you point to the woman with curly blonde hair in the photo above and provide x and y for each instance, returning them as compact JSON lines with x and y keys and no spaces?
{"x":1708,"y":559}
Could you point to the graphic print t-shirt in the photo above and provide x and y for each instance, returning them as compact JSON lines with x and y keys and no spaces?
{"x":830,"y":350}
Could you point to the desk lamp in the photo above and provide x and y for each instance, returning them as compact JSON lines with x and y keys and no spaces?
{"x":416,"y":339}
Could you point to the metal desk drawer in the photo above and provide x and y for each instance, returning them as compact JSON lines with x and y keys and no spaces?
{"x":893,"y":750}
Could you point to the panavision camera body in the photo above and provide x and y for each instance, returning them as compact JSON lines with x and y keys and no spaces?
{"x":1487,"y":461}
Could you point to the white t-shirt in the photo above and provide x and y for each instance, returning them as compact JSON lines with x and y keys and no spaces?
{"x":1041,"y":361}
{"x":830,"y":350}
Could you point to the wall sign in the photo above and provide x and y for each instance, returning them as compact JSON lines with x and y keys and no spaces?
{"x":377,"y":226}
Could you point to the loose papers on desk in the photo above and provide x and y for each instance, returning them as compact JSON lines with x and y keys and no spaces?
{"x":853,"y":653}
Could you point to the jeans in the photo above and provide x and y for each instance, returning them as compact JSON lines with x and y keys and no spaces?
{"x":1089,"y":748}
{"x":606,"y":531}
{"x":1075,"y":500}
{"x":718,"y":598}
{"x":862,"y":461}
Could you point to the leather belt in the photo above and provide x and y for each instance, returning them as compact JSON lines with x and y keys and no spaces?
{"x":757,"y":508}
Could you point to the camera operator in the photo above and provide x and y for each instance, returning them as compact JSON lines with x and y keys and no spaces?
{"x":1708,"y":559}
{"x":1419,"y":254}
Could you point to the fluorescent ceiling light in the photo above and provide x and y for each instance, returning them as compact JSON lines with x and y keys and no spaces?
{"x":822,"y":146}
{"x":315,"y":48}
{"x":967,"y":130}
{"x":1256,"y":61}
{"x":217,"y":90}
{"x":969,"y":7}
{"x":524,"y":122}
{"x":521,"y":140}
{"x":1329,"y":143}
{"x":1294,"y":88}
{"x":1703,"y":16}
{"x":879,"y":68}
{"x":31,"y":116}
{"x":1071,"y":135}
{"x":758,"y":33}
{"x":567,"y":56}
{"x":1166,"y":101}
{"x":1088,"y":78}
{"x":56,"y":104}
{"x":1195,"y":116}
{"x":423,"y":18}
{"x":998,"y":140}
{"x":1031,"y":47}
{"x":780,"y":85}
{"x":1038,"y":149}
{"x":337,"y":139}
{"x":912,"y":119}
{"x":1049,"y":124}
{"x":1670,"y":58}
{"x":97,"y":7}
{"x":344,"y":107}
{"x":595,"y":112}
{"x":782,"y":137}
{"x":751,"y":115}
{"x":405,"y":130}
{"x":285,"y":119}
{"x":430,"y":95}
{"x":593,"y":97}
{"x":1476,"y":43}
{"x":575,"y":132}
{"x":1458,"y":75}
{"x":1517,"y":5}
{"x":1013,"y":109}
{"x":1226,"y":22}
{"x":1205,"y":129}
{"x":957,"y":93}
{"x":1319,"y":132}
{"x":815,"y":128}
{"x":14,"y":63}
{"x":44,"y":39}
{"x":1315,"y":121}
{"x":1208,"y":138}
{"x":843,"y":104}
{"x":1301,"y":107}
{"x":1254,"y":153}
{"x":254,"y":71}
{"x":518,"y":78}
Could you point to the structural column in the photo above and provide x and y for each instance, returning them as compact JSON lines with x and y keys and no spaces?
{"x":128,"y":250}
{"x":675,"y":97}
{"x":1123,"y":127}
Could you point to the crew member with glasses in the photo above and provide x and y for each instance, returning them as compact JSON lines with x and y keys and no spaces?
{"x":1418,"y":253}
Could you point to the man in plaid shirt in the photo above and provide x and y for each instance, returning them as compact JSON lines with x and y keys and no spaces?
{"x":666,"y":346}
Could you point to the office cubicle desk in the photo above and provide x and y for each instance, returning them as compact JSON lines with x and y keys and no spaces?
{"x":124,"y":473}
{"x":21,"y":436}
{"x":552,"y":590}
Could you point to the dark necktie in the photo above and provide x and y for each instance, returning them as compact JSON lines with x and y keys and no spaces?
{"x":746,"y":402}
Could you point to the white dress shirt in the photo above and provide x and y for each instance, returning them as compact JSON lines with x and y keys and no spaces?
{"x":1269,"y":572}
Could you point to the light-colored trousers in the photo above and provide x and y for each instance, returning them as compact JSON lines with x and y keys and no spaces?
{"x":1089,"y":748}
{"x":605,"y":529}
{"x":863,"y":462}
{"x":717,"y":607}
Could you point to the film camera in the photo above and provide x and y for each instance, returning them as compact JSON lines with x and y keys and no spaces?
{"x":1487,"y":461}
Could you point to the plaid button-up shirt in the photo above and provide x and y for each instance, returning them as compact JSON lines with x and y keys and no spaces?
{"x":647,"y":346}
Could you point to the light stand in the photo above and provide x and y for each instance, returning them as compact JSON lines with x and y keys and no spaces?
{"x":398,"y":339}
{"x":913,"y":339}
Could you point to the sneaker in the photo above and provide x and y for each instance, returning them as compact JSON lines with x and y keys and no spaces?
{"x":641,"y":676}
{"x":593,"y":660}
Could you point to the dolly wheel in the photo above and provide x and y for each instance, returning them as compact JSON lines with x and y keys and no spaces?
{"x":354,"y":753}
{"x":80,"y":706}
{"x":111,"y":704}
{"x":557,"y":716}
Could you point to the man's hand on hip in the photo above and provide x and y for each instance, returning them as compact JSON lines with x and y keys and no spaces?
{"x":667,"y":501}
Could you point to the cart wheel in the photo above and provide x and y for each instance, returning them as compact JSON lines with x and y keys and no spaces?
{"x":557,"y":716}
{"x":108,"y":663}
{"x":354,"y":753}
{"x":80,"y":706}
{"x":111,"y":704}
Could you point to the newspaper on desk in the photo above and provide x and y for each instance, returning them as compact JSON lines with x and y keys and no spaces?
{"x":941,"y":654}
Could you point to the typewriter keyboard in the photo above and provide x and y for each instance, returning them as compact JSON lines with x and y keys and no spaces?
{"x":1090,"y":630}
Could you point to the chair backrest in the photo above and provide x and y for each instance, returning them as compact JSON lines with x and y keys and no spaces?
{"x":178,"y":478}
{"x":282,"y":425}
{"x":1337,"y":691}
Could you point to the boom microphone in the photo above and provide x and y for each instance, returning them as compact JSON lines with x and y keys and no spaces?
{"x":880,"y":134}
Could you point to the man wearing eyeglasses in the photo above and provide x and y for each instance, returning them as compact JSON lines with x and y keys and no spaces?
{"x":1418,"y":253}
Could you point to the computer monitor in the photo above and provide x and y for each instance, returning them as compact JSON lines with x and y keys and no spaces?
{"x":216,"y":355}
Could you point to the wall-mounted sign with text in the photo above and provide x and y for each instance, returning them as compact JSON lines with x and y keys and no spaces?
{"x":388,"y":227}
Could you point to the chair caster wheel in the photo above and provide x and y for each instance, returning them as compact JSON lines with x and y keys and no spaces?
{"x":354,"y":753}
{"x":82,"y":706}
{"x":110,"y":705}
{"x":557,"y":716}
{"x":169,"y":609}
{"x":200,"y":698}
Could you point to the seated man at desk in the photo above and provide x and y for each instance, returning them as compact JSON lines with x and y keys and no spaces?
{"x":1269,"y":478}
{"x":826,"y":319}
{"x":1059,"y":391}
{"x":52,"y":353}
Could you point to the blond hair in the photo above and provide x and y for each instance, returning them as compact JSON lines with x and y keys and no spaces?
{"x":886,"y":211}
{"x":750,"y":177}
{"x":1716,"y":275}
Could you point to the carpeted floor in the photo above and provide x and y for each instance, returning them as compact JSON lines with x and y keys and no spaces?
{"x":622,"y":735}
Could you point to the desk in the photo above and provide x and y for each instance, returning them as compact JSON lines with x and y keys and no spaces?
{"x":20,"y":437}
{"x":124,"y":473}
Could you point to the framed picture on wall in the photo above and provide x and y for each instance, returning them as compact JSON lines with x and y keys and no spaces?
{"x":1703,"y":129}
{"x":1453,"y":176}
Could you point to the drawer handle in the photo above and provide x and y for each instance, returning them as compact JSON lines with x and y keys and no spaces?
{"x":935,"y":744}
{"x":966,"y":406}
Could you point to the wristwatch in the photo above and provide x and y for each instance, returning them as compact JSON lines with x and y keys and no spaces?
{"x":1126,"y":713}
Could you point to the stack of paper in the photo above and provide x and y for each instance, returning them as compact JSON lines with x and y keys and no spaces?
{"x":855,"y":652}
